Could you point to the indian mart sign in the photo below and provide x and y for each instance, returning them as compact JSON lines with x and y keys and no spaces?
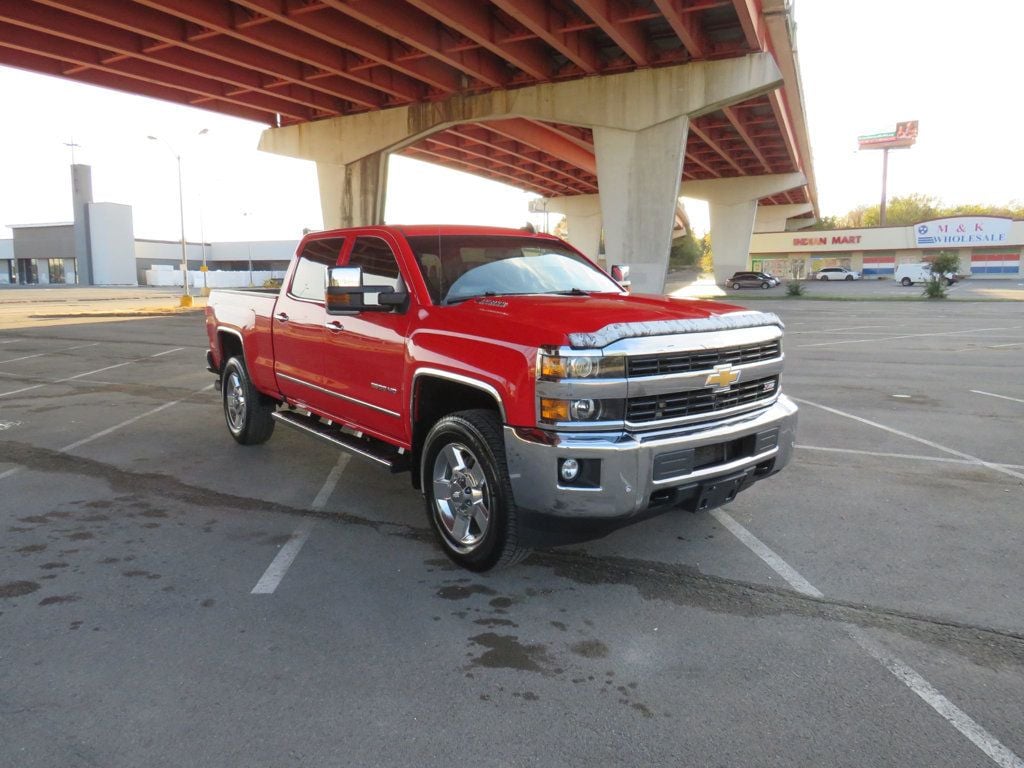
{"x":960,"y":231}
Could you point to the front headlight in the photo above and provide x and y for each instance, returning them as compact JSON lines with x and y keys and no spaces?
{"x":555,"y":410}
{"x":554,"y":367}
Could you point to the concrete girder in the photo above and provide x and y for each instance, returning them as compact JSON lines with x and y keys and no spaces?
{"x":583,"y":221}
{"x":639,"y":120}
{"x":775,"y":218}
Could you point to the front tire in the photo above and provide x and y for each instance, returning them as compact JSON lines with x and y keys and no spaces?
{"x":766,"y":285}
{"x":247,"y":413}
{"x":849,"y":277}
{"x":468,"y":493}
{"x":906,"y":282}
{"x":735,"y":286}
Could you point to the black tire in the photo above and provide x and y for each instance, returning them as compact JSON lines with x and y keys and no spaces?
{"x":474,"y":518}
{"x":825,"y":278}
{"x":246,"y":411}
{"x":735,"y":286}
{"x":849,"y":277}
{"x":906,"y":282}
{"x":766,"y":285}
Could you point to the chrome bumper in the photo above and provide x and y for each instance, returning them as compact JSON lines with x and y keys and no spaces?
{"x":629,"y":459}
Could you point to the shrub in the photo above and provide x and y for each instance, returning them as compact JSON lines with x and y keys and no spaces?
{"x":934,"y":289}
{"x":795,"y":288}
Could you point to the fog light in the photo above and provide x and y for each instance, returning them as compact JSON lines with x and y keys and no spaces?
{"x":570,"y":468}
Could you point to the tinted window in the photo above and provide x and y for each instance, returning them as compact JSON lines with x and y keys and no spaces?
{"x":380,"y":267}
{"x":310,"y":277}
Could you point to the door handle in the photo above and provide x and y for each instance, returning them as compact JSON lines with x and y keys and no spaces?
{"x":334,"y":325}
{"x":281,"y":317}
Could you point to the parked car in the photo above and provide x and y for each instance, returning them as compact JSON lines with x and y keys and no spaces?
{"x":908,"y":274}
{"x":837,"y":273}
{"x":751,"y":280}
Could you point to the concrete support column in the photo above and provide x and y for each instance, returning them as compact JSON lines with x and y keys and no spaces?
{"x":731,"y":228}
{"x":81,"y":196}
{"x":583,"y":221}
{"x":352,"y":195}
{"x":638,"y":174}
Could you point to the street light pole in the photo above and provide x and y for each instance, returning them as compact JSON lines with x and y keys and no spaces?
{"x":186,"y":296}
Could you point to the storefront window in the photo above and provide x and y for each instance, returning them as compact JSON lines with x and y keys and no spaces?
{"x":56,"y":270}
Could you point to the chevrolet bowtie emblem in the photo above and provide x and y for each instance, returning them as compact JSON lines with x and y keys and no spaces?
{"x":723,"y":377}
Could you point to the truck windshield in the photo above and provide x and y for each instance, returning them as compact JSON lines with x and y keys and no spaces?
{"x":460,"y":267}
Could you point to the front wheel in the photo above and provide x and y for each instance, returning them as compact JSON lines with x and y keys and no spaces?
{"x":766,"y":285}
{"x":248,"y":413}
{"x":906,"y":282}
{"x":825,"y":278}
{"x":849,"y":277}
{"x":468,"y":493}
{"x":735,"y":286}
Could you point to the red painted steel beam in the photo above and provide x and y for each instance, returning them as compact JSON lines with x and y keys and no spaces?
{"x":425,"y":34}
{"x":627,"y":35}
{"x":685,"y":23}
{"x":474,"y":20}
{"x":713,"y":143}
{"x":437,"y":158}
{"x":544,"y":20}
{"x":752,"y":22}
{"x":483,"y":134}
{"x":484,"y":154}
{"x":548,"y":141}
{"x":741,"y":129}
{"x":171,"y":33}
{"x":359,"y":38}
{"x":128,"y":45}
{"x":782,"y":118}
{"x":221,"y":17}
{"x":40,"y":64}
{"x":80,"y":56}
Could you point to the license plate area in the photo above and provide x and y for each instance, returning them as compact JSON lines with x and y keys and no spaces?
{"x":720,"y":491}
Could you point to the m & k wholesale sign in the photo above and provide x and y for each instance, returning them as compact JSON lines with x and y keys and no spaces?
{"x":961,"y":231}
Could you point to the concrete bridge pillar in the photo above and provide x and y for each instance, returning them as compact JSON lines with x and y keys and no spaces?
{"x":352,"y":195}
{"x":733,"y":208}
{"x":583,"y":221}
{"x":638,"y":174}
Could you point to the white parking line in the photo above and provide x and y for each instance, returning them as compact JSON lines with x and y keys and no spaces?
{"x":909,"y":456}
{"x":1001,"y":397}
{"x":906,"y":336}
{"x":289,"y":551}
{"x":959,"y":719}
{"x":45,"y":354}
{"x":89,"y":373}
{"x":109,"y":430}
{"x":937,"y":446}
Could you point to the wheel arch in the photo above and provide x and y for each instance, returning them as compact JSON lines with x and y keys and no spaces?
{"x":436,"y":393}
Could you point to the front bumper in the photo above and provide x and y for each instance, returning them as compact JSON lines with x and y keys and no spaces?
{"x":642,"y":472}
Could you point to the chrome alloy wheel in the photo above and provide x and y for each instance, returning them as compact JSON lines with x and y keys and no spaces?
{"x":234,"y":402}
{"x":461,"y":496}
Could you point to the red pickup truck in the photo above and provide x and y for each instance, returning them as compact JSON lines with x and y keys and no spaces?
{"x":532,"y":398}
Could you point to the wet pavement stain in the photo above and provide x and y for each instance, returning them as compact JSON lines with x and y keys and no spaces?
{"x":81,"y":536}
{"x":460,"y":592}
{"x":58,"y":599}
{"x":501,"y":602}
{"x":147,"y":574}
{"x":31,"y":548}
{"x":495,"y":623}
{"x":590,"y":649}
{"x":51,"y":566}
{"x":17,"y":588}
{"x":506,"y":652}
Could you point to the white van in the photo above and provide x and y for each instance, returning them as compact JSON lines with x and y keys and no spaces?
{"x":908,"y":274}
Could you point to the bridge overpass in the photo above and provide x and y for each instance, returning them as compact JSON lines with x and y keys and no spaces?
{"x":609,"y":108}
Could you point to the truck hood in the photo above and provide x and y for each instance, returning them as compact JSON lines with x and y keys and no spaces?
{"x":592,"y":322}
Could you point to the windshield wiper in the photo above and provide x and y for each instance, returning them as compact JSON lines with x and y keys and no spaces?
{"x":571,"y":292}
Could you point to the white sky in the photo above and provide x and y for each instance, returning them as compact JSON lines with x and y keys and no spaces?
{"x":865,"y":65}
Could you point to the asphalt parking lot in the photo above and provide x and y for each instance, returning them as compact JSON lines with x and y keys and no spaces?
{"x":169,"y":598}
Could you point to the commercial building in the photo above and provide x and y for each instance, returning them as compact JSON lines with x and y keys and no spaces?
{"x":987,"y":246}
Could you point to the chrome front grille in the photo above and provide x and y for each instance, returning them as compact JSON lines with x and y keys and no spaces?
{"x":701,"y":401}
{"x":703,"y":359}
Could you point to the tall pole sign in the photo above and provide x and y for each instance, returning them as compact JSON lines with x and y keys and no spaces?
{"x":903,"y":137}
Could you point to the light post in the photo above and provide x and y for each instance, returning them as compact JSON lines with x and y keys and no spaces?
{"x":186,"y":296}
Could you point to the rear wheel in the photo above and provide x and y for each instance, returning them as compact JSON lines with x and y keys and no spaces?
{"x":906,"y":282}
{"x":248,"y":413}
{"x":825,"y":278}
{"x":468,"y":493}
{"x":735,"y":286}
{"x":849,"y":277}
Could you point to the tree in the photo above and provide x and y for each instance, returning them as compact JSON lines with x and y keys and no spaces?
{"x":944,"y":263}
{"x":903,"y":211}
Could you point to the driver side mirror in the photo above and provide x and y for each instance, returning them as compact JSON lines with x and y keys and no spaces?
{"x":620,"y":274}
{"x":346,"y":294}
